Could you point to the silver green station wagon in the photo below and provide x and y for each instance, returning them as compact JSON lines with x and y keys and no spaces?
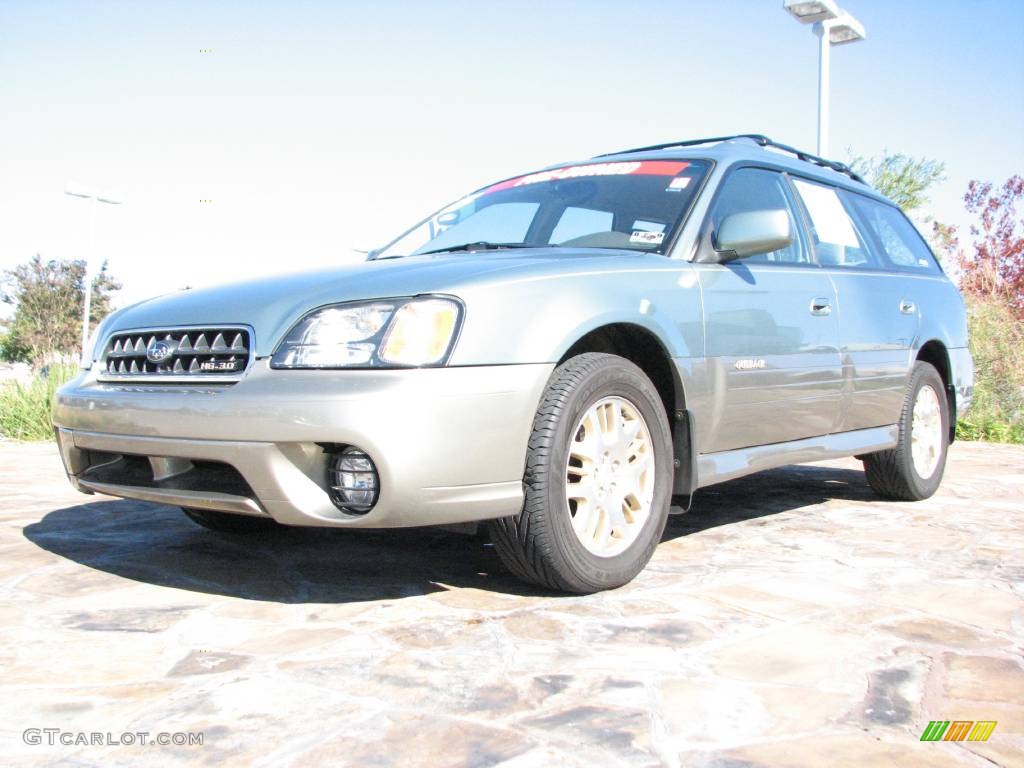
{"x":559,"y":355}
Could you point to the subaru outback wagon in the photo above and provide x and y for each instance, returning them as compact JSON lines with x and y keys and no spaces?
{"x":558,"y":354}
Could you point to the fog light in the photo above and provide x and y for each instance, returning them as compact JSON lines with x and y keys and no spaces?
{"x":353,"y":481}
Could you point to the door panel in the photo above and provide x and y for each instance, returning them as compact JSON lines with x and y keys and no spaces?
{"x":774,"y":366}
{"x":876,"y":338}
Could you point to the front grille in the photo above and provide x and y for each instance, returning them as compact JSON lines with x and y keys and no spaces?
{"x":177,"y":353}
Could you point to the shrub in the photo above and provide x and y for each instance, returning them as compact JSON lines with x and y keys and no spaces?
{"x":25,"y":408}
{"x":997,"y":345}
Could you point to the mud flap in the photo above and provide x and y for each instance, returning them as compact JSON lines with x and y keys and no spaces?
{"x":684,"y":484}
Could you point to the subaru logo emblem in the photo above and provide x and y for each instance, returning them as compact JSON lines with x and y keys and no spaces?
{"x":159,"y":350}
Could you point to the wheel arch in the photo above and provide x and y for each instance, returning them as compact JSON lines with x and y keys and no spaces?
{"x":645,"y":349}
{"x":934,"y":353}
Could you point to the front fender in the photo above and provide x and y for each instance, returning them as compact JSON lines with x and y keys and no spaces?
{"x":538,"y":320}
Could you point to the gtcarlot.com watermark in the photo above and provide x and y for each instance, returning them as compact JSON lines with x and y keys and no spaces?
{"x":54,"y":736}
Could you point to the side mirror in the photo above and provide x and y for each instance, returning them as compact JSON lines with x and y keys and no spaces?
{"x":751,"y":233}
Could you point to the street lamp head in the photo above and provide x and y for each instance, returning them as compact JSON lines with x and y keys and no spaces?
{"x":845,"y":29}
{"x":75,"y":189}
{"x":811,"y":11}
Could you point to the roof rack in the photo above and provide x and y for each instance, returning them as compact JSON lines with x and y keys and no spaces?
{"x":759,"y":139}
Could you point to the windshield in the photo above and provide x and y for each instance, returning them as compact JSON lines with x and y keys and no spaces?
{"x":636,"y":205}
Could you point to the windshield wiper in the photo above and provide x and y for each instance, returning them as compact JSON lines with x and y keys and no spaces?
{"x":479,"y":245}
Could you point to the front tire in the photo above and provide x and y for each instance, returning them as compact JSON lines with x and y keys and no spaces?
{"x":224,"y":522}
{"x":913,"y":469}
{"x":598,"y":479}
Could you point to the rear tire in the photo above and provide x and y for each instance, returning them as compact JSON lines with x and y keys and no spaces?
{"x":598,"y":479}
{"x":913,"y":469}
{"x":225,"y":522}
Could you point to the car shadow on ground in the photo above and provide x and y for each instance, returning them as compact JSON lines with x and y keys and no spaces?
{"x":158,"y":545}
{"x":769,"y":493}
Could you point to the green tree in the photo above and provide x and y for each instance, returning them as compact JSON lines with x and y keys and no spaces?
{"x":49,"y":297}
{"x":903,"y":179}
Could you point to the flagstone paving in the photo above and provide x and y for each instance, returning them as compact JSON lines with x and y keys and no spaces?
{"x":789,"y":619}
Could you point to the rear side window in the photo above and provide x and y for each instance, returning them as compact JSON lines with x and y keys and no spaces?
{"x":837,"y":241}
{"x":756,"y":189}
{"x":897,"y":238}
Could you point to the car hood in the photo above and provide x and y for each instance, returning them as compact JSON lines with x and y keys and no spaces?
{"x":271,"y":305}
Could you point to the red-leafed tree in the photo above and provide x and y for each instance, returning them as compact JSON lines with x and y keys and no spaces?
{"x":993,"y":265}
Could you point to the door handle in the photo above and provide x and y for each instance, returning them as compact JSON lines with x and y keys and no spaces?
{"x":907,"y":307}
{"x":821,"y":307}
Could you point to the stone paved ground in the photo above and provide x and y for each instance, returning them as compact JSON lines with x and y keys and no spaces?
{"x":791,"y":619}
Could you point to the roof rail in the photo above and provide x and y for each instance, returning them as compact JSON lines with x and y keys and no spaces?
{"x":759,"y":139}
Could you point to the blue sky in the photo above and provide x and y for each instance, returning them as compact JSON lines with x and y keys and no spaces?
{"x":319,"y":127}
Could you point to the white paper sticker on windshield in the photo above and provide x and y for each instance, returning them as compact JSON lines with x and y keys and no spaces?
{"x":831,"y":222}
{"x":678,"y":183}
{"x":647,"y":238}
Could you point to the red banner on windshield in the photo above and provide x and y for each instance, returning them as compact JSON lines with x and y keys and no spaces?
{"x":631,"y":168}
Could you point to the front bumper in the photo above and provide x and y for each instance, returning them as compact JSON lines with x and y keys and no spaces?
{"x":449,"y":444}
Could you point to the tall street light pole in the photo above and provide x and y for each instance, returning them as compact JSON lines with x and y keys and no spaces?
{"x":74,"y":190}
{"x":824,"y":64}
{"x":833,"y":26}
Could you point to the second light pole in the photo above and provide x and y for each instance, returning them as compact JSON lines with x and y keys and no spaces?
{"x":76,"y":190}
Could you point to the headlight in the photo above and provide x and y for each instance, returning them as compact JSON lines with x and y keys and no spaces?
{"x":412,"y":332}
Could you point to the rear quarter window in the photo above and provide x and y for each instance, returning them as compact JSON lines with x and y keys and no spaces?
{"x":899,"y":241}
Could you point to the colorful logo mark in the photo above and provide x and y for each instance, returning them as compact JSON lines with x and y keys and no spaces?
{"x":958,"y":730}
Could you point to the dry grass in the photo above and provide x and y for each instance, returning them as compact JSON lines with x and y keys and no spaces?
{"x":25,"y":408}
{"x":997,"y":345}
